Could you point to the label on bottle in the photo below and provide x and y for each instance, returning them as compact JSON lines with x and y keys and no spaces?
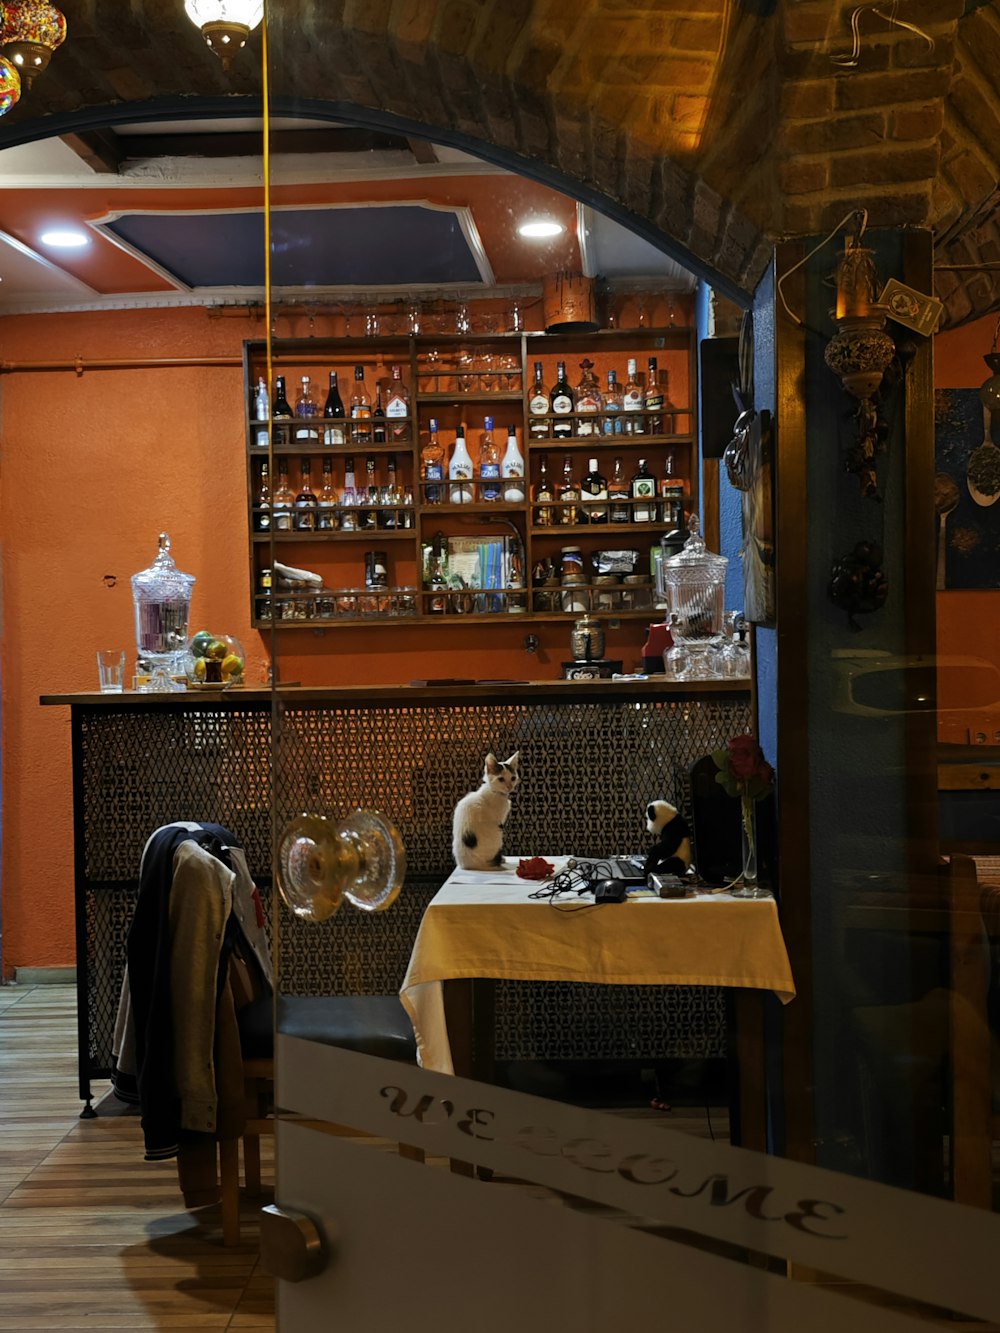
{"x":538,"y":405}
{"x":562,"y":404}
{"x":643,"y":490}
{"x":633,"y":400}
{"x":283,"y":520}
{"x":326,"y":516}
{"x":396,"y":406}
{"x":489,"y":476}
{"x":334,"y":435}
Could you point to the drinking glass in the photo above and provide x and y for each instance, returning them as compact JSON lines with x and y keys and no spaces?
{"x":111,"y":670}
{"x":485,"y":364}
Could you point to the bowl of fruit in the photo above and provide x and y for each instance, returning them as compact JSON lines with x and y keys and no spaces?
{"x":215,"y":662}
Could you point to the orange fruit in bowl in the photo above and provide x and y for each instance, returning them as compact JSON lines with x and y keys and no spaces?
{"x":232,"y":665}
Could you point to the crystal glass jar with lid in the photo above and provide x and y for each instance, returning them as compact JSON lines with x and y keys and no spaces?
{"x":162,"y":598}
{"x":694,"y":582}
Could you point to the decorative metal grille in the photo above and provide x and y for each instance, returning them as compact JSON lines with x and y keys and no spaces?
{"x":588,"y":768}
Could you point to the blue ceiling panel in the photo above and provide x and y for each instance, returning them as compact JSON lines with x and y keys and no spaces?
{"x":363,"y":246}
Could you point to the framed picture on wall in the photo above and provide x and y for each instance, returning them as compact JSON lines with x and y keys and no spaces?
{"x":966,"y":492}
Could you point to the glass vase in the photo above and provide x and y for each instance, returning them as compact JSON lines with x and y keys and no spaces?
{"x":747,"y":885}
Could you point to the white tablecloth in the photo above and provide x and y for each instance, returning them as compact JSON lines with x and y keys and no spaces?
{"x":484,"y":924}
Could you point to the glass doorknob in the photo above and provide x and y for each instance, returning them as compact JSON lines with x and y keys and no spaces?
{"x":322,"y":861}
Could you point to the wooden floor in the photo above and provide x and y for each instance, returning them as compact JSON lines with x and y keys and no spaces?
{"x":91,"y":1236}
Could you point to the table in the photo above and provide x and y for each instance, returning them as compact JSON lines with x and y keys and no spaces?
{"x":484,"y":924}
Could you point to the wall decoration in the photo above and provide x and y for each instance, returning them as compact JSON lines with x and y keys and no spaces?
{"x":758,"y":523}
{"x":966,"y":489}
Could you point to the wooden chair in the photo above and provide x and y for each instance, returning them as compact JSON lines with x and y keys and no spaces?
{"x":373,"y":1024}
{"x":974,"y":921}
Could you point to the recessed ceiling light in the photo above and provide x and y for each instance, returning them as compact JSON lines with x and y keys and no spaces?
{"x":65,"y":240}
{"x":540,"y":227}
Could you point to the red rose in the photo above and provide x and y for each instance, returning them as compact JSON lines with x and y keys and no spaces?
{"x":745,"y":758}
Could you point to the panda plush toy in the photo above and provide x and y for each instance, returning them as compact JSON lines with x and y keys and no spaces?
{"x":671,"y":852}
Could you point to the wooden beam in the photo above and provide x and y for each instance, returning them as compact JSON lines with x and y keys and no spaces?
{"x":423,"y":151}
{"x":100,"y":149}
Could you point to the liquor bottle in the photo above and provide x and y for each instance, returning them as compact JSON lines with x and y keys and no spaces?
{"x":305,"y":408}
{"x":671,"y":490}
{"x":633,"y":401}
{"x":389,"y":496}
{"x":334,"y":433}
{"x":369,"y":516}
{"x":262,"y":501}
{"x":432,"y":465}
{"x":543,"y":495}
{"x":437,"y":582}
{"x":669,"y":420}
{"x":561,"y":404}
{"x":569,"y":494}
{"x":512,"y":470}
{"x":613,"y":405}
{"x":589,"y":403}
{"x":397,"y":408}
{"x":654,"y":399}
{"x":261,"y":412}
{"x":326,"y":511}
{"x":489,"y":463}
{"x":594,"y":496}
{"x":515,"y":575}
{"x":378,"y":416}
{"x":281,"y":411}
{"x":305,"y":502}
{"x":283,"y":500}
{"x":619,"y":491}
{"x":460,"y":471}
{"x":538,"y":407}
{"x":349,"y":499}
{"x":361,"y":409}
{"x":643,"y":490}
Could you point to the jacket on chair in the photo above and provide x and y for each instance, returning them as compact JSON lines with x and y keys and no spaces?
{"x":198,"y":911}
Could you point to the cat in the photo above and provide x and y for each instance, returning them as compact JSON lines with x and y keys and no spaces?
{"x":477,"y":827}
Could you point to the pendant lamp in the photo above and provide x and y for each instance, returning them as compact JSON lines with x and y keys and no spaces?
{"x":29,"y":33}
{"x":225,"y":24}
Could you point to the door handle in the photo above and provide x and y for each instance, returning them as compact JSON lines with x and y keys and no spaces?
{"x":292,"y":1247}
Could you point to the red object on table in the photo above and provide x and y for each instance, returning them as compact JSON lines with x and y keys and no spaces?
{"x":534,"y":867}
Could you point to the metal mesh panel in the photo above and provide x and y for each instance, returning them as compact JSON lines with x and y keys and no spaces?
{"x":588,"y":769}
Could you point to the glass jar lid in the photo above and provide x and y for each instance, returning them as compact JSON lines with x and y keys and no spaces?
{"x":162,"y":581}
{"x":694,"y":560}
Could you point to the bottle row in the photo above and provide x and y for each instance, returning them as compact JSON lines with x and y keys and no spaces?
{"x":641,"y":407}
{"x":387,"y":502}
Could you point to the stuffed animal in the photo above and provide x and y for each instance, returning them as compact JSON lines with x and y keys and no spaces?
{"x":671,"y":853}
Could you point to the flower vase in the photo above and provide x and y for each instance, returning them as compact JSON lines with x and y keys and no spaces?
{"x":747,"y":886}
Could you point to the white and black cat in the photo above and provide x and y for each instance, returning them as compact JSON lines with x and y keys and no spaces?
{"x":477,"y":828}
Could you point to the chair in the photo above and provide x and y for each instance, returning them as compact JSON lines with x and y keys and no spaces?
{"x":974,"y":920}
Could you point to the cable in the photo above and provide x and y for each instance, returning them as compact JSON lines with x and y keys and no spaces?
{"x":861,"y":213}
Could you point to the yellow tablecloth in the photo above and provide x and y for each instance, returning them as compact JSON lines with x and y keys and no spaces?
{"x":483,"y":924}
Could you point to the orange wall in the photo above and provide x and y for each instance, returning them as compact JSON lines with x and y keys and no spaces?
{"x":94,"y":466}
{"x":968,"y":623}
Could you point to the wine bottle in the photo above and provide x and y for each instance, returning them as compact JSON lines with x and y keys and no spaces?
{"x":561,"y":404}
{"x":437,"y":581}
{"x":261,"y":411}
{"x":512,"y":469}
{"x":460,"y":471}
{"x":643,"y":490}
{"x":654,"y":399}
{"x":619,"y":509}
{"x":489,"y":463}
{"x":671,"y":490}
{"x":326,"y":501}
{"x":281,"y":411}
{"x":542,"y":495}
{"x":305,"y":501}
{"x":432,"y":465}
{"x":397,"y":408}
{"x":369,"y":515}
{"x":378,"y":417}
{"x":262,"y":501}
{"x":305,"y":409}
{"x":283,"y":500}
{"x":633,"y":400}
{"x":361,"y":409}
{"x":569,"y":494}
{"x":334,"y":433}
{"x":594,"y":496}
{"x":389,"y":496}
{"x":538,"y":407}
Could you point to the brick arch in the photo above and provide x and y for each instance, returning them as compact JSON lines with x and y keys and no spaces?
{"x":607,"y":107}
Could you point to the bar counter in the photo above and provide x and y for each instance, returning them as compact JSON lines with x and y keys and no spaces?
{"x":593,"y":753}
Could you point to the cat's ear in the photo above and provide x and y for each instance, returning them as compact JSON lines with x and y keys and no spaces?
{"x":512,"y":761}
{"x":492,"y":763}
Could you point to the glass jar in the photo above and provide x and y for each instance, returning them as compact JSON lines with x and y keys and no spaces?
{"x":588,"y":640}
{"x":694,"y":582}
{"x":162,"y":598}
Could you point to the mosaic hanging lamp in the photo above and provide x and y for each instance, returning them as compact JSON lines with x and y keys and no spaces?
{"x":10,"y":85}
{"x":29,"y":34}
{"x":225,"y":24}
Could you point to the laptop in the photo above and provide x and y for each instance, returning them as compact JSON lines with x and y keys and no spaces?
{"x":631,"y":869}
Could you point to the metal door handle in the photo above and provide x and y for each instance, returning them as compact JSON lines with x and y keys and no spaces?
{"x":292,"y":1247}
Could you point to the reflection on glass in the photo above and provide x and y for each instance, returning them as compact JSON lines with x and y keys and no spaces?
{"x":320,"y":863}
